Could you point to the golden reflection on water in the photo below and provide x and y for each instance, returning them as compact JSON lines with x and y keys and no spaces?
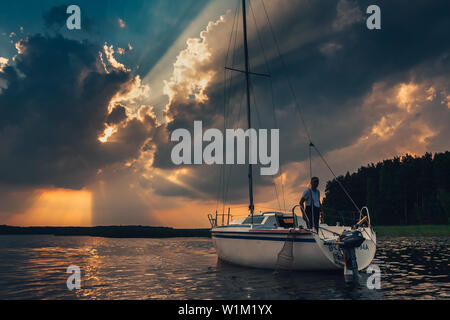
{"x":34,"y":267}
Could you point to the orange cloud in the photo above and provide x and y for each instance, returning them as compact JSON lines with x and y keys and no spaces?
{"x":407,"y":95}
{"x":3,"y":63}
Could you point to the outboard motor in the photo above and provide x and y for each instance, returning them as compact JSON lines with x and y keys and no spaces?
{"x":349,"y":240}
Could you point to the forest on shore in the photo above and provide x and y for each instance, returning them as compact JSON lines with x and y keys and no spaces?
{"x":406,"y":190}
{"x":107,"y":231}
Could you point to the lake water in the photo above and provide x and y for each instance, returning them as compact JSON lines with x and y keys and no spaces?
{"x":34,"y":267}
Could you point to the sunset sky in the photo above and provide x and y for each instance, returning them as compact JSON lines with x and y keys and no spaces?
{"x":86,"y":115}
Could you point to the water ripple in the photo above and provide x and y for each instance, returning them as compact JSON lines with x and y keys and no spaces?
{"x":34,"y":267}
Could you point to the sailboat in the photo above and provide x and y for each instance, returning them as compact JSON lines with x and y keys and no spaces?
{"x":285,"y":240}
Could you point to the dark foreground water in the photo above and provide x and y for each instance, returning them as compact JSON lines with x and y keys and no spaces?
{"x":34,"y":267}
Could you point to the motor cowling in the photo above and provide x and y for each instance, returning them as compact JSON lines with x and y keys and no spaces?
{"x":349,"y":240}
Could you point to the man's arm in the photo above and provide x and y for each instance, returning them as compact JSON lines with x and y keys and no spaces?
{"x":302,"y":201}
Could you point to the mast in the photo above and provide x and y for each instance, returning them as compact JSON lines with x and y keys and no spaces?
{"x":249,"y":124}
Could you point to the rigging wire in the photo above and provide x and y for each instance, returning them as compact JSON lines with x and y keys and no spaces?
{"x":260,"y":126}
{"x":236,"y":123}
{"x":225,"y":182}
{"x":233,"y":123}
{"x":272,"y":102}
{"x":310,"y":161}
{"x":221,"y":169}
{"x":298,"y":109}
{"x":228,"y":116}
{"x":337,"y":180}
{"x":287,"y":76}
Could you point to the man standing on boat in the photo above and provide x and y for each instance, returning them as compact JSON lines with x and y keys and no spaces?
{"x":313,"y":210}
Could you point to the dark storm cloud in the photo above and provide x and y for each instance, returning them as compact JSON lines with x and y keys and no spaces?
{"x":53,"y":111}
{"x":117,"y":115}
{"x":54,"y":104}
{"x":56,"y":17}
{"x":330,"y":87}
{"x":333,"y":61}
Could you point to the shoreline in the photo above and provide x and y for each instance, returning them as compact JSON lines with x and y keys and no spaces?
{"x":167,"y":232}
{"x":413,"y":231}
{"x":107,"y":231}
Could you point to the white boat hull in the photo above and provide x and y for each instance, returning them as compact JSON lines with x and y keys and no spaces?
{"x":260,"y":249}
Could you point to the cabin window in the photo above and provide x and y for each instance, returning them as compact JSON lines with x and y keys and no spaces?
{"x":271,"y":221}
{"x":256,"y":220}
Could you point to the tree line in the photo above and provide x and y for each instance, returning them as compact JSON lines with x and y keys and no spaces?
{"x":404,"y":190}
